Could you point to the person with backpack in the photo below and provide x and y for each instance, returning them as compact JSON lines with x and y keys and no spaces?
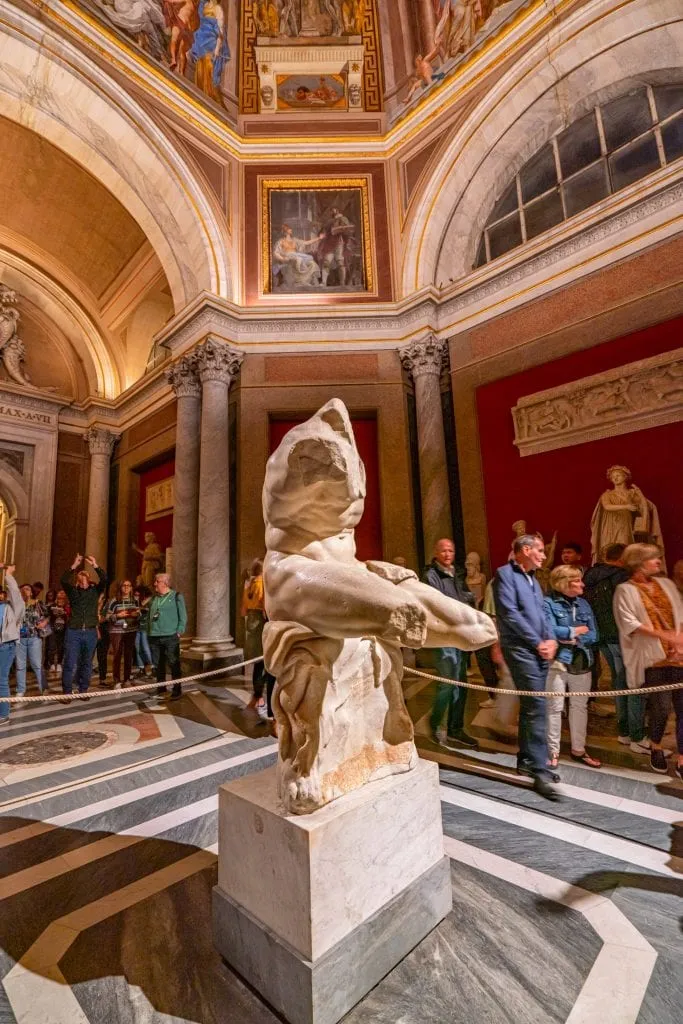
{"x":601,"y":581}
{"x":167,"y":622}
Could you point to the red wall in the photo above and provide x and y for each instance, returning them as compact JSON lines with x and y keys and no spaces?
{"x":369,"y":530}
{"x":163,"y":526}
{"x":558,"y":490}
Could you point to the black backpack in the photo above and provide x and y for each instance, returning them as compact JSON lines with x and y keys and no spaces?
{"x":600,"y":599}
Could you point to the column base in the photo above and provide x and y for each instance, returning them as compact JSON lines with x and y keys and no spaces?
{"x":354,"y":887}
{"x":205,"y":655}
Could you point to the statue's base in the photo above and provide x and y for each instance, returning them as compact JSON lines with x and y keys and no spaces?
{"x":314,"y":910}
{"x":204,"y":656}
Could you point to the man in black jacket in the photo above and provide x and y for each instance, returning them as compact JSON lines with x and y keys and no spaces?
{"x":81,"y":634}
{"x":449,"y":662}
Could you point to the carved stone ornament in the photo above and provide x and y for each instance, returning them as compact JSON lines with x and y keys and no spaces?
{"x":644,"y":394}
{"x":12,"y":350}
{"x":424,"y":357}
{"x":100,"y":441}
{"x":183,"y":377}
{"x":216,"y":360}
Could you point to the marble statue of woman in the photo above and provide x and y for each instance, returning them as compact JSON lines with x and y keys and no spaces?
{"x":336,"y":625}
{"x":623,"y":515}
{"x":152,"y":559}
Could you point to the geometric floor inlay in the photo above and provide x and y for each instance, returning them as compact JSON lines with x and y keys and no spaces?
{"x":54,"y":747}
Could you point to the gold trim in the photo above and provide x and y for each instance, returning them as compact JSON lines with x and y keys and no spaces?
{"x":320,"y":184}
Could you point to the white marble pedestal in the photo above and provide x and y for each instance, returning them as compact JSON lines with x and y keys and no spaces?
{"x":314,"y":910}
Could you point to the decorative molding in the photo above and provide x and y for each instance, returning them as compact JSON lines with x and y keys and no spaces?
{"x":184,"y":378}
{"x":273,"y":61}
{"x":425,"y":358}
{"x":217,"y":361}
{"x":100,"y":441}
{"x":647,"y":393}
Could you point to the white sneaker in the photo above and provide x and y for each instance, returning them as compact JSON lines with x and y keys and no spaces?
{"x":262,"y":710}
{"x":625,"y":740}
{"x":642,"y":747}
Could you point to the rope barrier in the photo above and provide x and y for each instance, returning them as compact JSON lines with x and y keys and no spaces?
{"x":125,"y":691}
{"x":642,"y":691}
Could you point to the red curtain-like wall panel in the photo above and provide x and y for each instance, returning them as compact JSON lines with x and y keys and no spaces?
{"x":163,"y":526}
{"x":558,"y":490}
{"x":369,"y":530}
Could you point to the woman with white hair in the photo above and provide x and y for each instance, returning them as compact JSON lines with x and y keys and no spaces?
{"x":648,"y":610}
{"x":575,"y":631}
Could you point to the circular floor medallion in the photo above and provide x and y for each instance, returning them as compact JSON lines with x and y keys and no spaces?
{"x":56,"y":747}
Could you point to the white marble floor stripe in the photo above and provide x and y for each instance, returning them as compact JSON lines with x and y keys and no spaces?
{"x":566,"y":831}
{"x":621,"y":803}
{"x":24,"y":832}
{"x":119,"y":773}
{"x":37,"y":990}
{"x":64,"y":863}
{"x":21,"y":714}
{"x":617,"y":982}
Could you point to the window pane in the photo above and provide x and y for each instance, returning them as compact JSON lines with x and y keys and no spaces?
{"x":672,"y":137}
{"x":669,"y":99}
{"x":625,"y":118}
{"x":481,"y":254}
{"x":538,"y":175}
{"x":579,"y":145}
{"x":588,"y":187}
{"x":543,"y":214}
{"x":506,"y":204}
{"x":505,"y":236}
{"x":634,"y":162}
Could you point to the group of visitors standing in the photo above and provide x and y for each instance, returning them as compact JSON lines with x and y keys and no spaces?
{"x":623,"y":608}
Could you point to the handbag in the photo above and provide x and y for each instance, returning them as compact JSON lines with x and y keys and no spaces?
{"x":579,"y":663}
{"x":44,"y":631}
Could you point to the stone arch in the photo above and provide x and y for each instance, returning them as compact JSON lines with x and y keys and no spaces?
{"x":50,"y":87}
{"x":594,"y":51}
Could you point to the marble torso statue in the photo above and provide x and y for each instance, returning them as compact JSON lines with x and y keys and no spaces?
{"x":623,"y":515}
{"x":336,"y":625}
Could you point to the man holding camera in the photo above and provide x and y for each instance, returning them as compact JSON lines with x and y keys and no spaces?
{"x":80,"y":640}
{"x":167,"y":623}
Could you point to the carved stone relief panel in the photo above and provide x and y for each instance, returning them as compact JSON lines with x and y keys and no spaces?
{"x":647,"y":393}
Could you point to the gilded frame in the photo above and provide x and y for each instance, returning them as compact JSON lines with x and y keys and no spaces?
{"x":271,"y":185}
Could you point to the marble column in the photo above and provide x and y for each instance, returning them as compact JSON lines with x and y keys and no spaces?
{"x":101,"y":444}
{"x":217,"y":365}
{"x":424,"y":361}
{"x":184,"y":380}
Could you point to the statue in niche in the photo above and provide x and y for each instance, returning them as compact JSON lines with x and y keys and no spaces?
{"x":623,"y":515}
{"x":12,"y":348}
{"x":475,"y":578}
{"x":152,"y":559}
{"x":336,"y":625}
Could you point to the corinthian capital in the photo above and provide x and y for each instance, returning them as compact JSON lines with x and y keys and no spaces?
{"x":426,"y":357}
{"x":100,"y":440}
{"x":216,"y":360}
{"x":183,"y":377}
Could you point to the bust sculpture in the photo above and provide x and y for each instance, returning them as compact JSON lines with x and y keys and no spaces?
{"x":152,"y":559}
{"x":475,"y":578}
{"x":623,"y":515}
{"x":336,"y":625}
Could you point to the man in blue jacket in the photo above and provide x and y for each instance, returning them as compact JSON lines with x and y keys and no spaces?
{"x":449,"y":662}
{"x":526,"y":639}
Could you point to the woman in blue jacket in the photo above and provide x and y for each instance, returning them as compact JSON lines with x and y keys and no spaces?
{"x":575,"y":631}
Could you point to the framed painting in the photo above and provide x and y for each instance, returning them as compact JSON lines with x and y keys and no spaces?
{"x":311,"y":92}
{"x":316,"y":236}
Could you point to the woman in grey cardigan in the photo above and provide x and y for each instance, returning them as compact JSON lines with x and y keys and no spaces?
{"x":11,"y":614}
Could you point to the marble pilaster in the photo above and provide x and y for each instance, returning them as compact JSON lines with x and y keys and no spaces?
{"x":101,"y":445}
{"x":424,"y":361}
{"x":184,"y":380}
{"x":217,"y":366}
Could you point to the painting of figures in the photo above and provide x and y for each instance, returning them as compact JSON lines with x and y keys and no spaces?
{"x":311,"y":92}
{"x":189,"y":36}
{"x":316,"y":237}
{"x":303,"y":19}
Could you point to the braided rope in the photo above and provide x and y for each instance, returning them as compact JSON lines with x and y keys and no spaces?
{"x":638,"y":692}
{"x":125,"y":691}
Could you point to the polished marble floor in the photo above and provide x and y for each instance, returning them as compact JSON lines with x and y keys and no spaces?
{"x":561,"y":912}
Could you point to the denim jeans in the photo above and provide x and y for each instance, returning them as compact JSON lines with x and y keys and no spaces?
{"x":143,"y":655}
{"x":7,"y":654}
{"x":166,"y":651}
{"x":79,"y":647}
{"x":451,"y":663}
{"x":630,"y":710}
{"x":29,"y":651}
{"x":529,"y":672}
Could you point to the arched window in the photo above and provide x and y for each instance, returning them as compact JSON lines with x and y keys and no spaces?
{"x":607,"y":149}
